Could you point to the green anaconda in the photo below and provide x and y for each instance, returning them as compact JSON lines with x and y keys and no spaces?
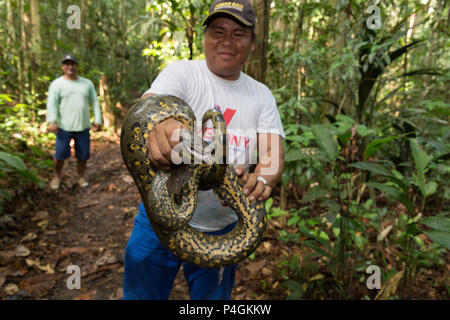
{"x":169,"y":212}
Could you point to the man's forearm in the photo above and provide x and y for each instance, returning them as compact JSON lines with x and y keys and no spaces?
{"x":271,"y":164}
{"x":265,"y":171}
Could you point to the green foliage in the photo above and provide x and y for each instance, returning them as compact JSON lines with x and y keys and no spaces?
{"x":13,"y":161}
{"x":17,"y":139}
{"x":10,"y":167}
{"x":398,"y":187}
{"x":440,"y":229}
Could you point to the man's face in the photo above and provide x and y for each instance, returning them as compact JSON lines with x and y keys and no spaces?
{"x":70,"y":68}
{"x":227,"y":47}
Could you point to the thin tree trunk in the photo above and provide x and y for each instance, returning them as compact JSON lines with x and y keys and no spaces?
{"x":11,"y":40}
{"x":297,"y":47}
{"x":23,"y":54}
{"x":256,"y":67}
{"x":108,"y":114}
{"x":60,"y":14}
{"x":190,"y":32}
{"x":36,"y":46}
{"x":36,"y":42}
{"x":12,"y":45}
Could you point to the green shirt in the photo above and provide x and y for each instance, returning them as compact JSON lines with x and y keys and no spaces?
{"x":68,"y":104}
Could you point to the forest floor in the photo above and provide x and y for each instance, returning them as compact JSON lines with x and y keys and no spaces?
{"x":45,"y":232}
{"x":50,"y":231}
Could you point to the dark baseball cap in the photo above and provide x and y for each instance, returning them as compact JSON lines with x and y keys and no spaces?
{"x":69,"y":57}
{"x":240,"y":9}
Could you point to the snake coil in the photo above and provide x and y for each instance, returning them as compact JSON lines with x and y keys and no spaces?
{"x":169,"y":211}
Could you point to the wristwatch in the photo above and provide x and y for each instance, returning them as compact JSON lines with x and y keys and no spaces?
{"x":262,"y":180}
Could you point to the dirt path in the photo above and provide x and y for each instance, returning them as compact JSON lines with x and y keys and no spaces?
{"x":49,"y":231}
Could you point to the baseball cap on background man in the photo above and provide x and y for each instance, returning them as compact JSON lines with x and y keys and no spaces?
{"x":240,"y":9}
{"x":69,"y":57}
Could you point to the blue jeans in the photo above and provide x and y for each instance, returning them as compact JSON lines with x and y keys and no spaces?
{"x":82,"y":144}
{"x":150,"y":268}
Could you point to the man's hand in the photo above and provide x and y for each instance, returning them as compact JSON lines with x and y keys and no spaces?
{"x":254,"y":189}
{"x":53,"y":128}
{"x":161,"y":140}
{"x":96,"y":127}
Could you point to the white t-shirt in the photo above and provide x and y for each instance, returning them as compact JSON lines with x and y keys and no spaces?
{"x":248,"y":107}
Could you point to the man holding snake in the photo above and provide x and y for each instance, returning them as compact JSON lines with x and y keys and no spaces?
{"x":253,"y":123}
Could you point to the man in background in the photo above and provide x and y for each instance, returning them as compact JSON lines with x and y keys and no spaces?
{"x":68,"y":116}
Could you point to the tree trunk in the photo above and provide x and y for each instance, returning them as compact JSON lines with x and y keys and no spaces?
{"x":11,"y":40}
{"x":190,"y":31}
{"x":108,"y":114}
{"x":256,"y":66}
{"x":60,"y":14}
{"x":23,"y":54}
{"x":12,"y":45}
{"x":300,"y":68}
{"x":36,"y":45}
{"x":36,"y":42}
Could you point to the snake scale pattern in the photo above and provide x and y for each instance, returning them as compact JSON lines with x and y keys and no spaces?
{"x":169,"y":212}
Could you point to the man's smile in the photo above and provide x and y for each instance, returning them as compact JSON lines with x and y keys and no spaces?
{"x":226,"y":54}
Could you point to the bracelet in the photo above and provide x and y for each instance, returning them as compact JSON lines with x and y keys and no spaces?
{"x":262,"y":180}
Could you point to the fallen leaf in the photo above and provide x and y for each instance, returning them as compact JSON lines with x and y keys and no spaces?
{"x":2,"y":280}
{"x":275,"y":285}
{"x":6,"y":220}
{"x":40,"y":215}
{"x":22,"y":251}
{"x":127,"y":179}
{"x":267,"y":246}
{"x":30,"y":236}
{"x":107,"y":258}
{"x":88,"y":204}
{"x":383,"y":234}
{"x":33,"y":263}
{"x":62,"y":223}
{"x":95,"y":186}
{"x":253,"y":267}
{"x":43,"y":224}
{"x":276,"y":224}
{"x":11,"y":289}
{"x":130,"y":209}
{"x":116,"y":295}
{"x":50,"y":232}
{"x":67,"y":251}
{"x":86,"y":296}
{"x":266,"y":272}
{"x":317,"y":277}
